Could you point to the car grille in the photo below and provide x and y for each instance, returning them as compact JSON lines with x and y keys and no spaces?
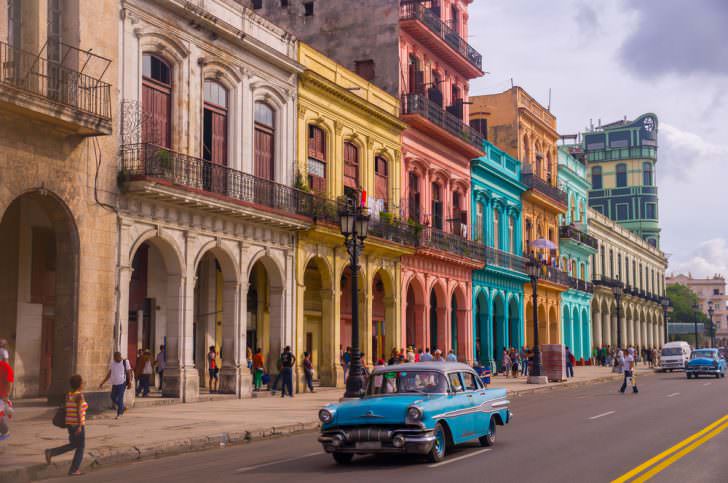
{"x":703,"y":368}
{"x":369,"y":434}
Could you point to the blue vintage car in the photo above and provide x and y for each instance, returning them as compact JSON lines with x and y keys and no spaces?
{"x":419,"y":408}
{"x":707,"y":362}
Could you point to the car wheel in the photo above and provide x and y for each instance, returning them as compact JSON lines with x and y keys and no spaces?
{"x":343,"y":458}
{"x":717,"y":376}
{"x":489,"y":439}
{"x":439,"y":447}
{"x":689,"y":376}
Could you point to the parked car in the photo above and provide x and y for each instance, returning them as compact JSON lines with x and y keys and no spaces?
{"x":674,"y":355}
{"x":707,"y":362}
{"x":417,"y":408}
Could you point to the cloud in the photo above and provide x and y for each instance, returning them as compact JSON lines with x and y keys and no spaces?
{"x":680,"y":151}
{"x":709,"y":258}
{"x":677,"y":37}
{"x":587,"y":19}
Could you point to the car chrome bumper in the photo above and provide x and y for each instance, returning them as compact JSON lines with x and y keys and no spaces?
{"x":408,"y":442}
{"x":703,"y":371}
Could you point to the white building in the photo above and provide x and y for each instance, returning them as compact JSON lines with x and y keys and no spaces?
{"x":709,"y":289}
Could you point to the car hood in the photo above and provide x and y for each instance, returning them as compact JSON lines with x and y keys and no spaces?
{"x":701,"y":361}
{"x":375,"y":410}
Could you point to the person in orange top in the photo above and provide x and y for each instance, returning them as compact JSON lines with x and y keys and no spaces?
{"x":258,"y":364}
{"x":76,"y":407}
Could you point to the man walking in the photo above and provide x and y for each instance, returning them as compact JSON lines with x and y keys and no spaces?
{"x":569,"y":363}
{"x":288,"y":360}
{"x":629,"y":370}
{"x":161,"y":363}
{"x":143,"y":372}
{"x":120,"y":377}
{"x":6,"y":384}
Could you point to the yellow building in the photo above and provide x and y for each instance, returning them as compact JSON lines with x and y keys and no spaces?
{"x":519,"y":125}
{"x":349,"y":140}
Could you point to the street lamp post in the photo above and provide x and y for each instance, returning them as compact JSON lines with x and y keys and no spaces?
{"x":617,"y":289}
{"x":354,"y":222}
{"x":665,"y":311}
{"x":710,"y":315}
{"x":696,"y":307}
{"x":534,"y":271}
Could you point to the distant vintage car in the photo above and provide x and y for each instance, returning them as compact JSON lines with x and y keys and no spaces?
{"x":707,"y":362}
{"x":418,"y":408}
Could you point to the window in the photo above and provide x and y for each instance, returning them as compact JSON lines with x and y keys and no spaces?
{"x":413,"y":200}
{"x":351,"y":166}
{"x":156,"y":101}
{"x":480,"y":125}
{"x":416,"y":76}
{"x":264,"y":141}
{"x":214,"y":135}
{"x":14,"y":23}
{"x":455,"y":383}
{"x":470,"y":381}
{"x":284,"y":3}
{"x":54,"y":33}
{"x":455,"y":20}
{"x":619,"y":139}
{"x":621,"y":175}
{"x":436,"y":207}
{"x":597,"y":177}
{"x":381,"y":173}
{"x":599,"y":209}
{"x":651,"y":211}
{"x":619,"y":266}
{"x":496,"y":229}
{"x":257,"y":4}
{"x":647,"y":174}
{"x":511,"y":235}
{"x":308,"y":9}
{"x":478,"y":234}
{"x":365,"y":69}
{"x":317,"y":159}
{"x":622,"y":211}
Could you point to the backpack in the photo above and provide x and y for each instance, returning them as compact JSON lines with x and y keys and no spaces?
{"x":287,"y":359}
{"x":59,"y":418}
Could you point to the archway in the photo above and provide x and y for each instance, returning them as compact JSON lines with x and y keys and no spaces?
{"x":606,"y":322}
{"x":586,"y":339}
{"x":553,"y":326}
{"x":568,"y":332}
{"x":438,"y":319}
{"x":483,"y":339}
{"x":596,"y":324}
{"x":265,"y":306}
{"x":39,"y":273}
{"x":499,"y":327}
{"x":346,"y":310}
{"x":318,"y":321}
{"x":543,"y":325}
{"x":514,"y":323}
{"x":383,"y":329}
{"x":577,"y":334}
{"x":415,"y":315}
{"x":460,"y":342}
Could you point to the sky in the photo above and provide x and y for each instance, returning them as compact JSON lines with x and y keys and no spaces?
{"x":610,"y":59}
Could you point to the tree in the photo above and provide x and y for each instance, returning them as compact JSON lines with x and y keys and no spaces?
{"x":683,"y":299}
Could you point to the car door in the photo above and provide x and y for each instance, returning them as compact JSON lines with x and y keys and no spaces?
{"x":460,"y":413}
{"x":475,"y":393}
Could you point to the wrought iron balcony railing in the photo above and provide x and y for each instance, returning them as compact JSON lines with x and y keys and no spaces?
{"x":533,"y":182}
{"x":608,"y":282}
{"x":415,"y":10}
{"x":554,"y":275}
{"x":54,"y":82}
{"x":580,"y":285}
{"x":573,"y":233}
{"x":449,"y":242}
{"x":502,"y":259}
{"x":419,"y":104}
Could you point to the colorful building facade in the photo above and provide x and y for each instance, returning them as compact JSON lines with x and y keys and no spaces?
{"x":498,"y":296}
{"x":621,"y":157}
{"x":348,"y":141}
{"x":526,"y":130}
{"x":576,"y":248}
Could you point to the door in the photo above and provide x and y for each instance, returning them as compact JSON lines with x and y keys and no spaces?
{"x":474,"y":388}
{"x":461,"y":420}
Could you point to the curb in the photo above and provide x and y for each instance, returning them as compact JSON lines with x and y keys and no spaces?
{"x":105,"y":457}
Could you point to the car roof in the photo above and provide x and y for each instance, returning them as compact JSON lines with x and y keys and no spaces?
{"x":426,"y":366}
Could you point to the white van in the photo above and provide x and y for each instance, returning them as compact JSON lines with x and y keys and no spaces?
{"x":675,"y":355}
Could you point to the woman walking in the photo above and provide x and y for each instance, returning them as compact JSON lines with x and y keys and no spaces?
{"x":308,"y":371}
{"x":76,"y":407}
{"x":258,"y":369}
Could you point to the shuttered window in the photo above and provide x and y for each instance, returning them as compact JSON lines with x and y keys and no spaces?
{"x":413,"y":200}
{"x":351,"y":166}
{"x":437,"y":221}
{"x":156,"y":101}
{"x":381,"y":171}
{"x":264,"y":144}
{"x":317,"y":159}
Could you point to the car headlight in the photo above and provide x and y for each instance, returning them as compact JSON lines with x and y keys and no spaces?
{"x":326,"y":415}
{"x":414,"y":413}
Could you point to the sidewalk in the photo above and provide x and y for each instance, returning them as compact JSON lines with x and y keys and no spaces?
{"x":155,"y":431}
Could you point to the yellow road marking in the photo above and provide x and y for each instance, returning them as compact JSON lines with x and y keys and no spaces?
{"x":634,"y":472}
{"x":672,"y":459}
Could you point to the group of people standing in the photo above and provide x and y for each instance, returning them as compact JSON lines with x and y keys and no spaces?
{"x":606,"y":356}
{"x":285,"y":363}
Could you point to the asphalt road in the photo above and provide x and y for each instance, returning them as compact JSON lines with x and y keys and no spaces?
{"x":587,"y":434}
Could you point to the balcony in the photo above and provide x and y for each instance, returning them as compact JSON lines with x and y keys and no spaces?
{"x":423,"y":113}
{"x":616,"y":154}
{"x":501,"y":259}
{"x":608,"y":282}
{"x":572,"y":233}
{"x":535,"y":183}
{"x":581,"y":285}
{"x":150,"y":170}
{"x":449,"y":242}
{"x":426,"y":26}
{"x":554,"y":275}
{"x":53,"y":93}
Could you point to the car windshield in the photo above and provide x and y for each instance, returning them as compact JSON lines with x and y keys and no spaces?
{"x":671,"y":351}
{"x":702,"y":355}
{"x":406,"y":382}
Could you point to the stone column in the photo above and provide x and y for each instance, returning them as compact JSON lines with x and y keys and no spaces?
{"x":180,"y":377}
{"x":233,"y":359}
{"x":245,"y":381}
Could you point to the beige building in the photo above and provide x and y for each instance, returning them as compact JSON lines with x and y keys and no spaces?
{"x":208,"y":215}
{"x":625,"y":260}
{"x":709,"y":289}
{"x":58,"y":104}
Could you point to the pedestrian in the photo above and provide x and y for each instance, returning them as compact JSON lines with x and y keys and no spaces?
{"x":76,"y":407}
{"x":346,"y":362}
{"x":410,"y":354}
{"x":7,"y":378}
{"x":143,"y":372}
{"x":451,"y":357}
{"x":629,"y":372}
{"x":507,"y":363}
{"x":515,"y":363}
{"x":4,"y":351}
{"x":569,"y":362}
{"x":120,"y":376}
{"x":438,"y":356}
{"x":419,"y":354}
{"x":213,"y":370}
{"x":258,"y":365}
{"x":279,"y":375}
{"x":161,"y":363}
{"x":249,"y":359}
{"x":426,"y":357}
{"x":308,"y":371}
{"x":288,"y":361}
{"x":524,"y":361}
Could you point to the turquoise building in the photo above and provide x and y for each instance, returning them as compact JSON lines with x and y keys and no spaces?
{"x":576,"y":248}
{"x":498,"y":288}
